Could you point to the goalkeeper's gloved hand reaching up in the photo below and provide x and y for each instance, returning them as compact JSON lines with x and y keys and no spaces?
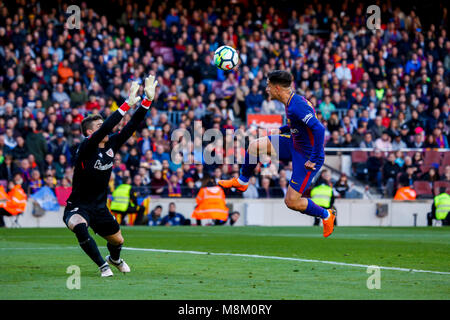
{"x":133,"y":98}
{"x":149,"y":89}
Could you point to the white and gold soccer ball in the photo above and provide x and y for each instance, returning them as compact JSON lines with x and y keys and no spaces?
{"x":226,"y":58}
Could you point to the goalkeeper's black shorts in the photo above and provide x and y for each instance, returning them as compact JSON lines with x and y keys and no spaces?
{"x":98,"y":218}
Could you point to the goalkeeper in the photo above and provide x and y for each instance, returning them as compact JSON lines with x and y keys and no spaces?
{"x":93,"y":163}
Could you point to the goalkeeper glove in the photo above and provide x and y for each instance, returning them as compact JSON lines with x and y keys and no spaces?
{"x":149,"y":89}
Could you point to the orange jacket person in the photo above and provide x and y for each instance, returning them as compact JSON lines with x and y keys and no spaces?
{"x":16,"y":201}
{"x":405,"y":193}
{"x":210,"y":204}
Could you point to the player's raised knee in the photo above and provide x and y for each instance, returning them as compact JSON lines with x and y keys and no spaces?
{"x":116,"y":239}
{"x":290,"y":202}
{"x":75,"y":220}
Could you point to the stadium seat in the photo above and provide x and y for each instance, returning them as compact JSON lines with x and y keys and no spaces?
{"x":446,"y":159}
{"x":154,"y":44}
{"x":157,"y":51}
{"x":431,"y":157}
{"x":410,"y":153}
{"x":425,"y":168}
{"x":423,"y":189}
{"x":441,"y":170}
{"x":165,"y":50}
{"x":359,"y":156}
{"x":438,"y":184}
{"x":168,"y":58}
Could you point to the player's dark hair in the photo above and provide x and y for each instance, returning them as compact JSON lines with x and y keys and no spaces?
{"x":280,"y":77}
{"x":86,"y":124}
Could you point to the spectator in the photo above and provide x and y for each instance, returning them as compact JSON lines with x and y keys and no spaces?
{"x":384,"y":142}
{"x":173,"y":218}
{"x":158,"y":183}
{"x":374,"y":166}
{"x":7,"y":168}
{"x":343,"y":72}
{"x":431,"y":175}
{"x":36,"y":182}
{"x":154,"y":217}
{"x":408,"y":177}
{"x":398,"y":143}
{"x":390,"y":172}
{"x":341,"y":186}
{"x":265,"y":191}
{"x":35,"y":143}
{"x":233,"y":217}
{"x":58,"y":145}
{"x":252,"y":190}
{"x":172,"y":188}
{"x":327,"y":107}
{"x":254,"y":101}
{"x":367,"y":142}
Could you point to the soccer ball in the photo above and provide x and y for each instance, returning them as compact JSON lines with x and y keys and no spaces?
{"x":226,"y":58}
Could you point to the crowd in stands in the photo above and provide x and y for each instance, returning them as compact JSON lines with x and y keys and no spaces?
{"x":387,"y":89}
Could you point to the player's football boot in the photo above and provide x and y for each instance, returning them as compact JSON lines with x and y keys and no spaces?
{"x":328,"y":223}
{"x":122,"y":265}
{"x":233,"y":183}
{"x":106,"y":271}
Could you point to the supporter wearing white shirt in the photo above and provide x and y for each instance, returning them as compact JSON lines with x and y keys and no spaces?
{"x":343,"y":72}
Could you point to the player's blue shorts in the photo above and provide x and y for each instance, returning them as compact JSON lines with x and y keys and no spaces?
{"x":301,"y":178}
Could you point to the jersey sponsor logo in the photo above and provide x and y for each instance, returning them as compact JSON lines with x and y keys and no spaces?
{"x":110,"y":153}
{"x":307,"y":117}
{"x":98,"y":165}
{"x":293,"y":130}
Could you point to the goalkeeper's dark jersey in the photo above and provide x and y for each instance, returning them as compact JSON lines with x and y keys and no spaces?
{"x":93,"y":165}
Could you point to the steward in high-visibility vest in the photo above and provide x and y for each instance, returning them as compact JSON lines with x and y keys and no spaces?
{"x":124,"y":202}
{"x":440,"y":208}
{"x":121,"y":198}
{"x":322,"y":195}
{"x":442,"y":204}
{"x":210,"y":204}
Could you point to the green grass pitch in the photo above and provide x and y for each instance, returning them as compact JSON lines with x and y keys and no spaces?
{"x":34,"y":264}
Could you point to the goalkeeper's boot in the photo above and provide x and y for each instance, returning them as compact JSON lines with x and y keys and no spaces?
{"x":122,"y":265}
{"x":233,"y":183}
{"x":106,"y":270}
{"x":328,"y":223}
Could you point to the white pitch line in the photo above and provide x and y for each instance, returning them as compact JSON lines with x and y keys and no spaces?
{"x":286,"y":258}
{"x":249,"y":256}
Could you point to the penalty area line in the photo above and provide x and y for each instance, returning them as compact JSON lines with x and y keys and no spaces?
{"x":286,"y":258}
